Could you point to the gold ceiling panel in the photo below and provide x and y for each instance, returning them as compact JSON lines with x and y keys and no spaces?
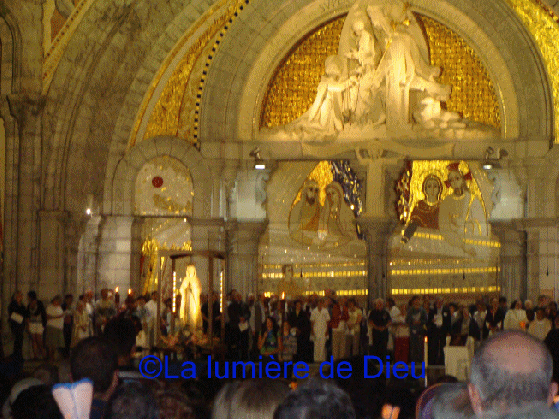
{"x":179,"y":97}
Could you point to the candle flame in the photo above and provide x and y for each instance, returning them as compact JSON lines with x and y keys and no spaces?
{"x":129,"y":291}
{"x":283,"y":295}
{"x":425,"y":339}
{"x":116,"y":289}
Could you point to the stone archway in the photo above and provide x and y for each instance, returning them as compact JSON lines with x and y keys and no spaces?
{"x":119,"y":188}
{"x":117,"y":234}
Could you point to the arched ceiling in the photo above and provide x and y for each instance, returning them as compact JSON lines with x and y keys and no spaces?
{"x":98,"y":87}
{"x":120,"y":56}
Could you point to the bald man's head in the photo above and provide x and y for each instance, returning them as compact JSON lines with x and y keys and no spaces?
{"x":511,"y":369}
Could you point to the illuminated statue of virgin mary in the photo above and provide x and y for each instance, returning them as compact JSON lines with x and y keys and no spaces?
{"x":190,"y":301}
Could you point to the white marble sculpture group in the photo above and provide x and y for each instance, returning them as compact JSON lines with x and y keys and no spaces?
{"x":380,"y":84}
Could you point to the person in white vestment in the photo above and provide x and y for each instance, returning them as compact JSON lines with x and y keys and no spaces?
{"x":516,"y":319}
{"x":319,"y":325}
{"x":153,"y":322}
{"x":540,"y":326}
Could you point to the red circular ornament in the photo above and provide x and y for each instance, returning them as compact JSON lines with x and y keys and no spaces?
{"x":157,"y":181}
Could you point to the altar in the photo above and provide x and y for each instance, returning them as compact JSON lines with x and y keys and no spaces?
{"x":458,"y":359}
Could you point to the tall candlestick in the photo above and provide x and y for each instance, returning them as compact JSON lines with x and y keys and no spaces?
{"x":426,"y":357}
{"x":426,"y":351}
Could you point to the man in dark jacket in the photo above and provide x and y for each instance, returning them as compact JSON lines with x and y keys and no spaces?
{"x":299,"y":319}
{"x":17,"y":314}
{"x":239,"y":313}
{"x":465,"y":327}
{"x":438,"y":326}
{"x":380,"y":320}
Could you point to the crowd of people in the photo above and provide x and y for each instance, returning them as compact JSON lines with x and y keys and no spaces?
{"x":513,"y":373}
{"x":311,"y":328}
{"x":54,"y":328}
{"x":511,"y":377}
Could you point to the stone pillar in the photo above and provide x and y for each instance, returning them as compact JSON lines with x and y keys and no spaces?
{"x":227,"y":184}
{"x":223,"y":179}
{"x":73,"y":232}
{"x":243,"y":239}
{"x":26,"y":109}
{"x":135,"y":254}
{"x":9,"y":228}
{"x":542,"y":253}
{"x":512,"y":277}
{"x":87,"y":255}
{"x":377,"y":232}
{"x":59,"y":234}
{"x":115,"y":253}
{"x":207,"y":235}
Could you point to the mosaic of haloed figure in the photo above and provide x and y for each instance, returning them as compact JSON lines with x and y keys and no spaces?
{"x":446,"y":218}
{"x":321,"y":225}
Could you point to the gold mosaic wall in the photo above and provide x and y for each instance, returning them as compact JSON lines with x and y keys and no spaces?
{"x":322,"y":175}
{"x":473,"y":93}
{"x":293,"y":87}
{"x":543,"y":24}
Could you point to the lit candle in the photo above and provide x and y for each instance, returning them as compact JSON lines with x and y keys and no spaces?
{"x":426,"y":357}
{"x":426,"y":351}
{"x":117,"y":297}
{"x":173,"y":307}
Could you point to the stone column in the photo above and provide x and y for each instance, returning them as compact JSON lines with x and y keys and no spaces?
{"x":26,"y":109}
{"x":135,"y":253}
{"x":207,"y":235}
{"x":9,"y":228}
{"x":512,"y":277}
{"x":115,"y":253}
{"x":541,"y":256}
{"x":73,"y":232}
{"x":377,"y":232}
{"x":87,"y":255}
{"x":243,"y":239}
{"x":59,"y":234}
